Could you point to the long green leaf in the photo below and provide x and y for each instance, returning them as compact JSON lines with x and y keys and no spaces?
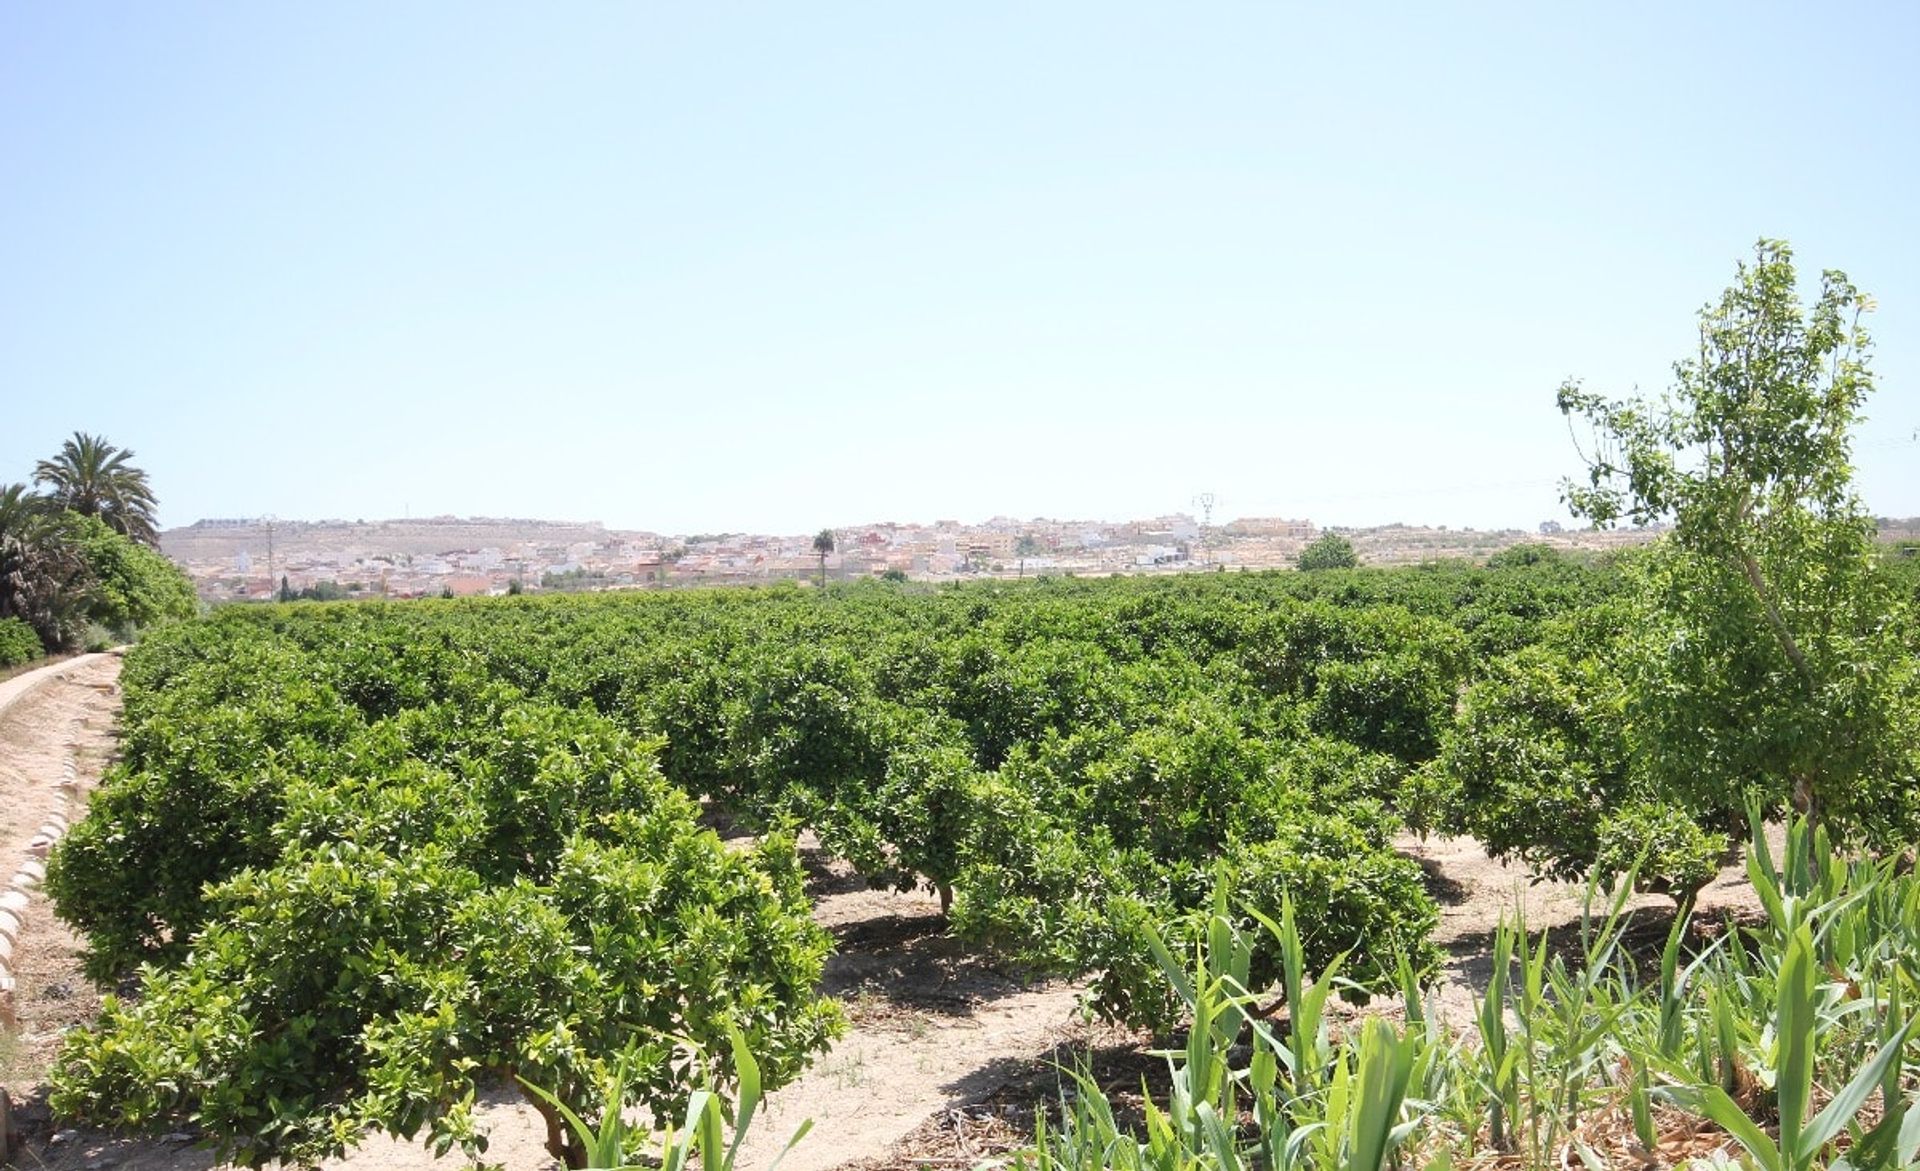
{"x":1386,"y":1061}
{"x":1796,"y":1033}
{"x":1713,"y":1104}
{"x":747,"y":1074}
{"x":1830,"y":1121}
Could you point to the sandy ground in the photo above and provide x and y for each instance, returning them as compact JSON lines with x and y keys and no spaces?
{"x":54,"y":721}
{"x":1475,"y":892}
{"x":943,"y":1061}
{"x":932,"y":1028}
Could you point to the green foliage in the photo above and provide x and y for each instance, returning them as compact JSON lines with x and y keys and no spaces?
{"x":1394,"y":704}
{"x":1310,"y":1103}
{"x":93,"y":478}
{"x":823,"y":545}
{"x":1794,"y":1042}
{"x":367,"y":880}
{"x":18,"y":643}
{"x":78,"y":564}
{"x":1060,"y":760}
{"x":1536,"y":758}
{"x":43,"y":577}
{"x":132,"y":587}
{"x":618,"y":1145}
{"x":1540,"y":764}
{"x":1329,"y":551}
{"x":1665,"y":848}
{"x":349,"y":987}
{"x":1776,"y":661}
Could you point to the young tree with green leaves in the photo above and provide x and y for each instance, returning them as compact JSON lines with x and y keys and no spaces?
{"x":131,"y":586}
{"x":353,"y":909}
{"x":1774,"y":661}
{"x":1331,"y":551}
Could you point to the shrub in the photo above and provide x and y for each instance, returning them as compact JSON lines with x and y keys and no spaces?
{"x":1536,"y":756}
{"x":348,"y":987}
{"x":1330,"y":551}
{"x":356,"y":922}
{"x":18,"y":643}
{"x":1665,"y":847}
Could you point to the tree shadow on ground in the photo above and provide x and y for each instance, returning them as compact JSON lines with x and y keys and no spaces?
{"x":908,"y":963}
{"x":1445,"y":890}
{"x":1014,"y":1090}
{"x":826,"y":875}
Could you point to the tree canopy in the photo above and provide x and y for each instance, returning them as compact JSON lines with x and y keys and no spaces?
{"x":78,"y":562}
{"x":823,"y":545}
{"x":1331,"y":551}
{"x":94,"y":478}
{"x":1773,"y":661}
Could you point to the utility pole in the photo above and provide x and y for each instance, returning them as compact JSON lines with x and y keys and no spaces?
{"x":1205,"y":502}
{"x":271,"y":576}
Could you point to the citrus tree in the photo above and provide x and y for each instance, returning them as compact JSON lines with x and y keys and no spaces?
{"x":1776,"y":662}
{"x":351,"y":904}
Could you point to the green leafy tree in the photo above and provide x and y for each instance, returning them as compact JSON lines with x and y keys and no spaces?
{"x":1331,"y":551}
{"x":350,"y":926}
{"x":132,"y":586}
{"x":823,"y":545}
{"x":1537,"y":765}
{"x":94,"y":478}
{"x":18,"y":643}
{"x":1776,"y":663}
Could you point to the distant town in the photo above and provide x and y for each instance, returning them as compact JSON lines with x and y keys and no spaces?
{"x":256,"y":559}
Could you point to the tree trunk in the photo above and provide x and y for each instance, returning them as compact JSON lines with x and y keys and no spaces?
{"x":1806,"y":802}
{"x":562,"y":1144}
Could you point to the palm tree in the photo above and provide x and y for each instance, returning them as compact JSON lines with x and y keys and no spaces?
{"x":1027,"y":546}
{"x":823,"y":545}
{"x":94,"y":478}
{"x":43,"y":577}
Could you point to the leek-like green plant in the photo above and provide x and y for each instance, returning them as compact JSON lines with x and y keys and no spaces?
{"x":1737,"y":1032}
{"x":699,"y":1142}
{"x":1797,"y":1028}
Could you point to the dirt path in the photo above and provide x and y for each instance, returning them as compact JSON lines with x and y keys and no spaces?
{"x":932,"y":1028}
{"x":53,"y":722}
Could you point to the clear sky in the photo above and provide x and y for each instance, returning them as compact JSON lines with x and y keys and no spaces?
{"x":774,"y":267}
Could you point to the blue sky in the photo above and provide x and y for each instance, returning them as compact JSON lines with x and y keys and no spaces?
{"x":774,"y":267}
